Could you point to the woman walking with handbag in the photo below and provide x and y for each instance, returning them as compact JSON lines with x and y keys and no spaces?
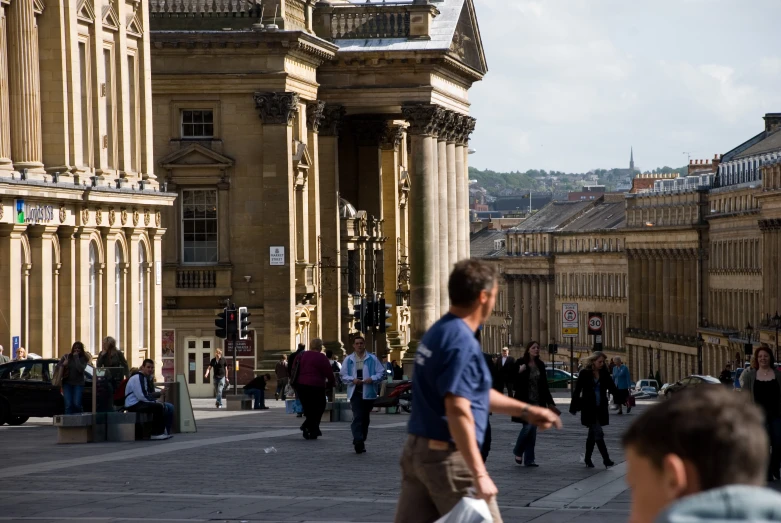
{"x":590,"y":398}
{"x":763,"y":384}
{"x":72,"y":375}
{"x":531,"y":386}
{"x":310,"y":376}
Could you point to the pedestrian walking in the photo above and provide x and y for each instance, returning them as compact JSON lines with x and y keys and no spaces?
{"x":112,"y":359}
{"x":73,"y":365}
{"x":623,"y":382}
{"x":726,"y":375}
{"x":3,"y":357}
{"x":220,"y":365}
{"x":507,"y":368}
{"x":281,"y":372}
{"x":362,"y":373}
{"x":311,"y":375}
{"x":398,"y":372}
{"x":256,"y":389}
{"x":699,"y":456}
{"x":441,"y":461}
{"x":590,"y":399}
{"x":531,"y":387}
{"x":762,"y":382}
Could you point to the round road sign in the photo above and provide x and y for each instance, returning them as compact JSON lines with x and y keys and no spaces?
{"x":570,"y":315}
{"x":595,"y":323}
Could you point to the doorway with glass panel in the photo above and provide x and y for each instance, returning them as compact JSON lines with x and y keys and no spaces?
{"x":199,"y":352}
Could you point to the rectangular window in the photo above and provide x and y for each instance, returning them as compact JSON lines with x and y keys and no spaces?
{"x":86,"y":123}
{"x":108,"y":99}
{"x":199,"y":226}
{"x":197,"y":124}
{"x":132,"y":75}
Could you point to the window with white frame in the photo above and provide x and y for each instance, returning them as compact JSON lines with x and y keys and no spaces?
{"x":141,"y":296}
{"x":117,"y":292}
{"x":197,"y":124}
{"x":93,"y":324}
{"x":199,"y":226}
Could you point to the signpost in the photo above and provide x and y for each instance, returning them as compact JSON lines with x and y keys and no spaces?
{"x":595,"y":324}
{"x":569,"y":329}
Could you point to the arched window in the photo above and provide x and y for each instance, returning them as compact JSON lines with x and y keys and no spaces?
{"x":118,"y":293}
{"x":93,"y":324}
{"x":141,"y":296}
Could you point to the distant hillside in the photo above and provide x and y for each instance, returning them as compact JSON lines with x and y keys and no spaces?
{"x":541,"y":180}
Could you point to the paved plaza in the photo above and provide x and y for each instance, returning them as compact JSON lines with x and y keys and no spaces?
{"x":223,"y":473}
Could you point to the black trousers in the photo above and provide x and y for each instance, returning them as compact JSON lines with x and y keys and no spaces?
{"x":361,"y":416}
{"x":313,"y":401}
{"x":158,"y":414}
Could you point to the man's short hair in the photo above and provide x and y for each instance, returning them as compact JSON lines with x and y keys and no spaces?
{"x":329,"y":353}
{"x":301,"y":346}
{"x":148,"y":361}
{"x":359,"y":337}
{"x":716,"y":430}
{"x":469,"y":278}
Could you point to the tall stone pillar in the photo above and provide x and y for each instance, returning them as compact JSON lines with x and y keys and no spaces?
{"x":11,"y":259}
{"x":313,"y":220}
{"x":659,"y":277}
{"x":545,"y":288}
{"x":423,"y":122}
{"x":41,"y":289}
{"x":452,"y":202}
{"x":444,"y":271}
{"x":469,"y":127}
{"x":644,"y":288}
{"x":652,"y":292}
{"x":5,"y":112}
{"x":672,"y":289}
{"x":24,"y":88}
{"x":155,"y":299}
{"x":517,"y":313}
{"x":277,"y":111}
{"x":635,"y":289}
{"x":462,"y":194}
{"x":527,"y":311}
{"x":326,"y":121}
{"x":680,"y":292}
{"x":767,"y":302}
{"x":66,"y":310}
{"x":688,"y":277}
{"x":536,"y":305}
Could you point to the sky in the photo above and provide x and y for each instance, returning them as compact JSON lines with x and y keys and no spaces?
{"x":573,"y":84}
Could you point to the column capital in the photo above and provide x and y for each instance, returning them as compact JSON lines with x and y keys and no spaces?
{"x":40,"y":231}
{"x":12,"y":229}
{"x":392,"y":137}
{"x":315,"y":112}
{"x":465,"y":127}
{"x":424,"y":119}
{"x":449,"y":127}
{"x":333,"y":116}
{"x":276,"y":108}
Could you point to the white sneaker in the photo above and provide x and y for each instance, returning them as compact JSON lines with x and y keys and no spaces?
{"x":160,"y":436}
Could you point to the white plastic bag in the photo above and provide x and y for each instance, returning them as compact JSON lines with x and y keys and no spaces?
{"x":468,"y":510}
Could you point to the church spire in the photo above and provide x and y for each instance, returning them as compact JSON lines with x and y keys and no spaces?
{"x":631,"y":159}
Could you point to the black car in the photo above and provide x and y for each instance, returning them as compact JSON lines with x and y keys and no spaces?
{"x":26,"y":391}
{"x":691,"y":381}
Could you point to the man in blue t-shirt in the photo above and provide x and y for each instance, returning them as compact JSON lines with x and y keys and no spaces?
{"x":441,"y":461}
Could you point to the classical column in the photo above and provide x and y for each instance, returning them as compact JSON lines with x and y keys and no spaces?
{"x":11,"y":259}
{"x":688,"y":302}
{"x":66,"y":310}
{"x":545,"y":288}
{"x":327,"y":123}
{"x":659,"y":287}
{"x":313,"y":219}
{"x":5,"y":113}
{"x":666,"y":313}
{"x":391,"y":159}
{"x":424,"y":214}
{"x":652,"y":291}
{"x":643,"y":287}
{"x":680,"y":292}
{"x":672,"y":290}
{"x":635,"y":289}
{"x":535,"y":304}
{"x":469,"y":127}
{"x":444,"y":271}
{"x":517,"y":324}
{"x":41,"y":289}
{"x":776,"y":290}
{"x":527,"y":310}
{"x":155,"y":298}
{"x":452,"y":200}
{"x":24,"y":88}
{"x":462,"y":194}
{"x":277,"y":111}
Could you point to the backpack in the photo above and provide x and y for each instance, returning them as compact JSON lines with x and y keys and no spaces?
{"x":119,"y":392}
{"x":295,"y":372}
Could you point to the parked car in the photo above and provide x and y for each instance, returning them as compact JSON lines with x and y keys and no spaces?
{"x":26,"y":391}
{"x":649,"y":392}
{"x":664,"y":388}
{"x":646,"y":383}
{"x":557,"y":378}
{"x":691,"y":381}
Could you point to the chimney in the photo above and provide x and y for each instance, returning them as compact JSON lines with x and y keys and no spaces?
{"x":772,"y":122}
{"x":716,"y":161}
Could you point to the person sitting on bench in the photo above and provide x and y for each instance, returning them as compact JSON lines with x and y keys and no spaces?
{"x":139,"y":398}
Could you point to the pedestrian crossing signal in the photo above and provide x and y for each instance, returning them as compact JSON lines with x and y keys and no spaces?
{"x":221,"y":323}
{"x":383,"y":313}
{"x":244,"y":323}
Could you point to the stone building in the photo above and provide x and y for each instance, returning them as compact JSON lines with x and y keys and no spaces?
{"x":80,"y":205}
{"x":319,"y":150}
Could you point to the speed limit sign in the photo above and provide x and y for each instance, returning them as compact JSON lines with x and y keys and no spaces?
{"x":595,"y":323}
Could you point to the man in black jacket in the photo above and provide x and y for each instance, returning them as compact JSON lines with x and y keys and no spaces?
{"x":290,"y":362}
{"x":506,"y":370}
{"x":256,"y":389}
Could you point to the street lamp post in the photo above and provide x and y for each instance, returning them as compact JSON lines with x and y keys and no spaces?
{"x":502,"y":329}
{"x":749,"y":347}
{"x":650,"y":362}
{"x":700,"y":341}
{"x":508,"y":320}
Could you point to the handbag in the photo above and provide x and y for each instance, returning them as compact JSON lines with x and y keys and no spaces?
{"x":58,"y":375}
{"x":630,"y":401}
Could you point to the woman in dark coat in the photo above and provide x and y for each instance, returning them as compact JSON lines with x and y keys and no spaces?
{"x":590,"y":398}
{"x":530,"y":383}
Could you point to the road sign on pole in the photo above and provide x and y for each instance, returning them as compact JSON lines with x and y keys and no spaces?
{"x":569,"y":320}
{"x":595,"y":324}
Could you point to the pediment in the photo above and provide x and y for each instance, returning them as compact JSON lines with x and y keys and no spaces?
{"x":110,"y":18}
{"x":134,"y":25}
{"x":467,"y":46}
{"x":196,"y":156}
{"x":84,"y":12}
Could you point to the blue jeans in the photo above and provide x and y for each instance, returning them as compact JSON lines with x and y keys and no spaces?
{"x":260,"y":397}
{"x":219,"y":384}
{"x":72,"y":395}
{"x":524,"y":445}
{"x":169,"y":417}
{"x":361,"y":409}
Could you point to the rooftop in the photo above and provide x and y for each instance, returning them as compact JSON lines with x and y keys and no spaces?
{"x":553,"y":216}
{"x":483,"y":244}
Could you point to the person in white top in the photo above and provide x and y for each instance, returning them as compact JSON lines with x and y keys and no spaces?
{"x":139,"y":398}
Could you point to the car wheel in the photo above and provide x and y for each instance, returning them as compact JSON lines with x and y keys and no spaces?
{"x":15,"y":421}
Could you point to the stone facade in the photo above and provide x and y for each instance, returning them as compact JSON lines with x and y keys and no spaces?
{"x":80,"y":206}
{"x":318,"y":135}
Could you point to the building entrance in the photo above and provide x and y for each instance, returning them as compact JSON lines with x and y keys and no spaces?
{"x":199,"y":352}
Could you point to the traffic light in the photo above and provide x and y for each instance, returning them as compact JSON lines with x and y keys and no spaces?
{"x":221,"y":322}
{"x":232,"y":325}
{"x":359,"y":312}
{"x":244,"y":323}
{"x":383,"y":310}
{"x":371,"y":315}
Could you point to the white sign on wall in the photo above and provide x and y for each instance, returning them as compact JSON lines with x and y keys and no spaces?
{"x":276,"y":255}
